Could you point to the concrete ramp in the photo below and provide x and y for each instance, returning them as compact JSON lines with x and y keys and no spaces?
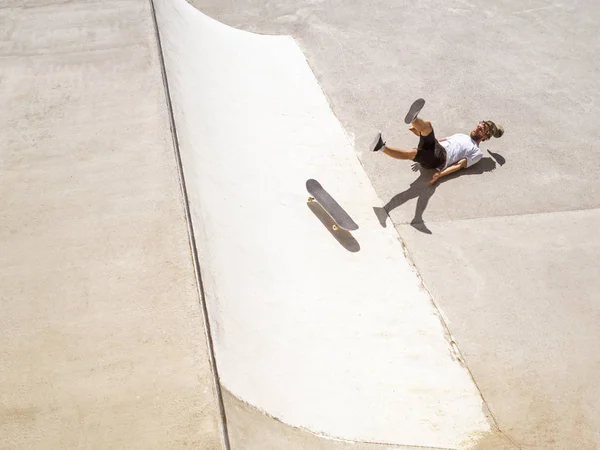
{"x":331,"y":332}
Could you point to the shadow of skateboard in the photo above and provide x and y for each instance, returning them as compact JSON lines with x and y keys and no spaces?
{"x":336,"y":212}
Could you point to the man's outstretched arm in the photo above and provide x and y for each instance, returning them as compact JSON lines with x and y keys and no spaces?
{"x":448,"y":170}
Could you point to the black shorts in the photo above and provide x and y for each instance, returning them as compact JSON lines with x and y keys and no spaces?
{"x":430,"y":153}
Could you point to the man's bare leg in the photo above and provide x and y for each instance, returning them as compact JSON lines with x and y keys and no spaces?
{"x":421,"y":127}
{"x":400,"y":153}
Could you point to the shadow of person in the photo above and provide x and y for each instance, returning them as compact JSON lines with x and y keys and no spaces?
{"x":498,"y":158}
{"x":420,"y":188}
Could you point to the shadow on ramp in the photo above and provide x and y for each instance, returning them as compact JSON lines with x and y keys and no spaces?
{"x":344,"y":237}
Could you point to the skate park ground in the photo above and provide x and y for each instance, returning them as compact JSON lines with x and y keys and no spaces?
{"x":512,"y":255}
{"x":507,"y":250}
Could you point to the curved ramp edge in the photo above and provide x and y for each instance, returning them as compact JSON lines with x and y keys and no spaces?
{"x":345,"y":344}
{"x":253,"y":430}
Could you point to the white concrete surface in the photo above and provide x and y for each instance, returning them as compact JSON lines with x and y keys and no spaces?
{"x":340,"y":339}
{"x":102,"y":342}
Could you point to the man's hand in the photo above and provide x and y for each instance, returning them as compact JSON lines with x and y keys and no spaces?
{"x":436,"y":176}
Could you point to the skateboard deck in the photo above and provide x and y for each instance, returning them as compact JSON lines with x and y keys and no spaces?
{"x":331,"y":207}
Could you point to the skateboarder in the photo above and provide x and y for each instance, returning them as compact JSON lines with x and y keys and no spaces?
{"x":447,"y":155}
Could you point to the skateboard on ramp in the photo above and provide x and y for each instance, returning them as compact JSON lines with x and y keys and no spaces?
{"x":336,"y":212}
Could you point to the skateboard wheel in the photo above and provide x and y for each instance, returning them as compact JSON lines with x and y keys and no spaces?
{"x":335,"y":227}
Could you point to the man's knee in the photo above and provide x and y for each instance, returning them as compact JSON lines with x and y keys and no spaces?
{"x":424,"y":126}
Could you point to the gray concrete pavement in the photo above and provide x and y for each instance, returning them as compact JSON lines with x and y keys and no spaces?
{"x":511,"y":256}
{"x":521,"y":296}
{"x":102,"y":334}
{"x":103,"y":343}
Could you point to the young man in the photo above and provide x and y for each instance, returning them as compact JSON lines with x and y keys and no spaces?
{"x":446,"y":155}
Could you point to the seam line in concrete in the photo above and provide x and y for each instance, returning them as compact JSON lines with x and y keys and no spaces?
{"x":500,"y":216}
{"x":453,"y":344}
{"x":191,"y":235}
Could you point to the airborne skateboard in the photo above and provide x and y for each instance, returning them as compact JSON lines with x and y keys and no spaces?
{"x":331,"y":207}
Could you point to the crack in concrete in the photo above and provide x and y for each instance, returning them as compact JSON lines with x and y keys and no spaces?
{"x":192,"y":239}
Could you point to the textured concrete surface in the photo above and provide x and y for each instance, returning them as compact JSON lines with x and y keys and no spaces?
{"x":522,"y":295}
{"x":102,"y":336}
{"x":530,"y":66}
{"x":82,"y":231}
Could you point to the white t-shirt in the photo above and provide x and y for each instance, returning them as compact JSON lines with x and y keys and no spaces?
{"x":460,"y":146}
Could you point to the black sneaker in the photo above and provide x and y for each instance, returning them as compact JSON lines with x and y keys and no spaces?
{"x":414,"y":110}
{"x":378,"y":143}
